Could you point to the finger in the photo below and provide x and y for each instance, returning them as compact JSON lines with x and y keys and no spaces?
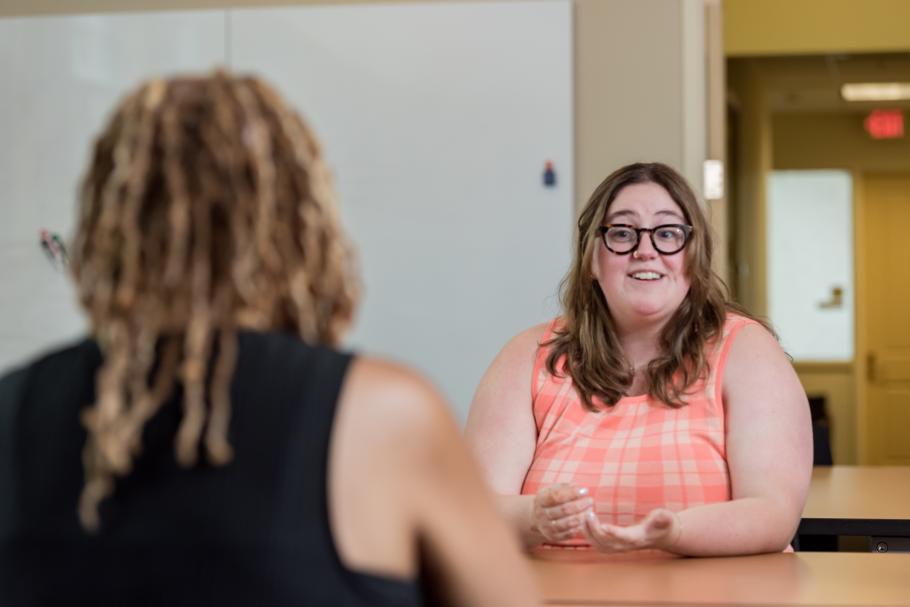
{"x":617,"y":538}
{"x":569,"y":524}
{"x":659,"y":521}
{"x":629,"y":537}
{"x":593,"y":531}
{"x":575,"y":506}
{"x":558,"y":494}
{"x":562,"y":537}
{"x":662,"y":528}
{"x":563,"y":528}
{"x":590,"y":530}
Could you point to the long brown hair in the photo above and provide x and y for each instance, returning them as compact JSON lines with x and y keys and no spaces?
{"x":587,"y":342}
{"x":206,"y":208}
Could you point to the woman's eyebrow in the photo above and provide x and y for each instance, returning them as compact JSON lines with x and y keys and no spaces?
{"x":626,"y":213}
{"x":611,"y":217}
{"x":671,"y":213}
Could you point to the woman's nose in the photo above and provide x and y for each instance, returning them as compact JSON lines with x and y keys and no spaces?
{"x":645,"y":248}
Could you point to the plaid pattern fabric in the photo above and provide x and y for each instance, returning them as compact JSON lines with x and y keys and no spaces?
{"x":640,"y":454}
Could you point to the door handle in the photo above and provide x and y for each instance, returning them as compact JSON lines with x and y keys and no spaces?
{"x":835,"y":301}
{"x":870,"y":366}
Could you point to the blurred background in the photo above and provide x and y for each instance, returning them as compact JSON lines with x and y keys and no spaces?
{"x":464,"y":135}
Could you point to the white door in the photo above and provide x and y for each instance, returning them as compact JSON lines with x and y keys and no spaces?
{"x":810,"y":263}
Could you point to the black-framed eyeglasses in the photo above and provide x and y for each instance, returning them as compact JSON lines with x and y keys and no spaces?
{"x":667,"y":239}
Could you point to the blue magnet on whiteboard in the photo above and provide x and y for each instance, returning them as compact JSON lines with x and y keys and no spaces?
{"x":549,"y":175}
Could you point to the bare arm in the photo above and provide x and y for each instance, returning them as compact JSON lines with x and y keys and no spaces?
{"x":406,"y":492}
{"x":769,"y":455}
{"x":502,"y":435}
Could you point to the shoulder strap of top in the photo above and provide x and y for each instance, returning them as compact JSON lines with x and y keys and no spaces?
{"x":538,"y":375}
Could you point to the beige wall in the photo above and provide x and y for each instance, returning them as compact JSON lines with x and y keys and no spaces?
{"x":716,"y":130}
{"x":639,"y":93}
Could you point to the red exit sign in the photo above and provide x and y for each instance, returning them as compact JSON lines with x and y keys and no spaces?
{"x":885,"y":124}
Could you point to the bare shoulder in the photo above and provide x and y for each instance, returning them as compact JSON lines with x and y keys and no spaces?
{"x":754,"y":333}
{"x":508,"y":379}
{"x":389,"y":423}
{"x":517,"y":356}
{"x":528,"y":340}
{"x":393,"y":399}
{"x":409,"y":498}
{"x":759,"y":373}
{"x":754,"y":348}
{"x":500,"y":430}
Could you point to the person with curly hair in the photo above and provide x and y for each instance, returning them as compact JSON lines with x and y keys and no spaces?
{"x":209,"y":442}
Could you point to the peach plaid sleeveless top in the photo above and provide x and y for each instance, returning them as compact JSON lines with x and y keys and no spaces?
{"x":639,"y":454}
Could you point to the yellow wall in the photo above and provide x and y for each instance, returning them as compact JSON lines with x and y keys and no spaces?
{"x":828,"y":141}
{"x":764,"y":143}
{"x":836,"y":383}
{"x":753,"y":162}
{"x":757,"y":28}
{"x":838,"y":141}
{"x":794,"y":27}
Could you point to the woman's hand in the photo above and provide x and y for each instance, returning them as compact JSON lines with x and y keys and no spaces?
{"x":660,"y":529}
{"x":559,"y":512}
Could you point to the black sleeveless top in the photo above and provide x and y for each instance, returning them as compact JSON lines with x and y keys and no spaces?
{"x":254,"y":532}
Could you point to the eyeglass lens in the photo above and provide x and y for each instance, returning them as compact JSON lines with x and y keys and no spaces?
{"x":666,"y":238}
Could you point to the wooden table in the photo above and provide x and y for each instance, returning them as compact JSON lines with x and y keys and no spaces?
{"x":810,"y":578}
{"x":858,"y":500}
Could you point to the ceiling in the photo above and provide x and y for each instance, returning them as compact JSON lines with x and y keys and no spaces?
{"x":811,"y":83}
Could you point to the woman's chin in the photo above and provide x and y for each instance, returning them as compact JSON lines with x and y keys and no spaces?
{"x":648,"y":313}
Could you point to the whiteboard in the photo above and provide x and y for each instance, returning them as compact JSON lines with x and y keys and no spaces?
{"x":438,"y":119}
{"x":61,"y":75}
{"x":810,"y":252}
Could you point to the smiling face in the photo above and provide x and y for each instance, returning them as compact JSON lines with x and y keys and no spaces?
{"x":645,"y":288}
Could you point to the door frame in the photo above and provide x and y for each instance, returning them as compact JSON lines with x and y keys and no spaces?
{"x":861,"y":345}
{"x":865,"y":452}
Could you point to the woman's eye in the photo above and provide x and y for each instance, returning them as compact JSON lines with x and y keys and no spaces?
{"x":621,"y":234}
{"x":668,"y":234}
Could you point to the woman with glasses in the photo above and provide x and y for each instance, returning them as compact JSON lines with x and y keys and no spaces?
{"x":654,"y":412}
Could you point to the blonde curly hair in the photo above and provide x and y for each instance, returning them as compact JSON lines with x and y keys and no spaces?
{"x":206,"y":208}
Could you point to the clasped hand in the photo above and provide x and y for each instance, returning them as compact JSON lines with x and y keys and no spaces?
{"x":563,"y":511}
